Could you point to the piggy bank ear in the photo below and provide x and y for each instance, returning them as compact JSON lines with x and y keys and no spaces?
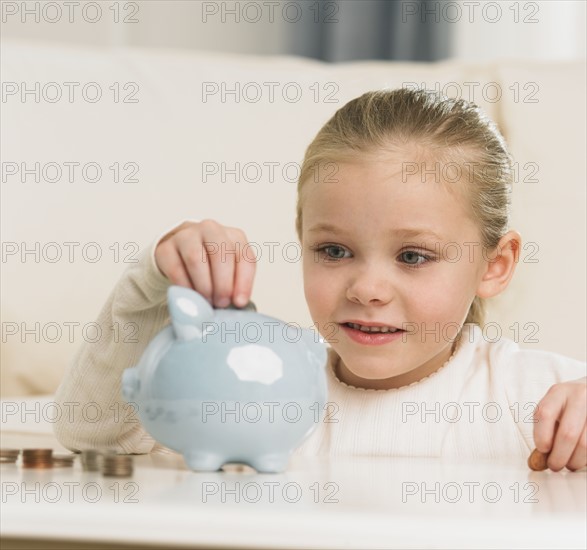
{"x":189,"y":310}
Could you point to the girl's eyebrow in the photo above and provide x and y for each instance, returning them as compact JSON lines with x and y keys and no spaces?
{"x":411,"y":232}
{"x":325,"y":227}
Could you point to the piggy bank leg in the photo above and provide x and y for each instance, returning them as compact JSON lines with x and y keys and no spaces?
{"x":203,"y":461}
{"x":270,"y":463}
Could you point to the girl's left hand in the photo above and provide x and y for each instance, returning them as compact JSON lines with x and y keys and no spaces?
{"x":560,"y":427}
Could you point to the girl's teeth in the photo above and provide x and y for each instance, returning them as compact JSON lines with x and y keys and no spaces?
{"x":371,"y":329}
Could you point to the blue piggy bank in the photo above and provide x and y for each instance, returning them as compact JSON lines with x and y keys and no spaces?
{"x":228,"y":385}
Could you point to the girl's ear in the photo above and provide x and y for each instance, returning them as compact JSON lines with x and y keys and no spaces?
{"x":500,"y":264}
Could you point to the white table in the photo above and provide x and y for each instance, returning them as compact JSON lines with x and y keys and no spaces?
{"x":324,"y":502}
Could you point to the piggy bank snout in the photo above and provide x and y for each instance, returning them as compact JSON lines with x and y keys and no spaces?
{"x":130,"y":383}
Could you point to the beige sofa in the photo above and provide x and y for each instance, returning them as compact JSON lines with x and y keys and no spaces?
{"x":186,"y":139}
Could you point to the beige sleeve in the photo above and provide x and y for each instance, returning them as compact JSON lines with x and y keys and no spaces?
{"x":94,"y":413}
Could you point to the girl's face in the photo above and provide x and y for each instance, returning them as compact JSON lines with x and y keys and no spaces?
{"x":400,"y":251}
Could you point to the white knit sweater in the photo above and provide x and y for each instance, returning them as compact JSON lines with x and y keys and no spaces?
{"x":478,"y":405}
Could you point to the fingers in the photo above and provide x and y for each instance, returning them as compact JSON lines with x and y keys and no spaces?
{"x":565,"y":440}
{"x":560,"y":426}
{"x":221,"y":255}
{"x":545,"y":415}
{"x":578,"y":459}
{"x":212,"y":259}
{"x":172,"y":266}
{"x":194,"y":259}
{"x":245,"y":269}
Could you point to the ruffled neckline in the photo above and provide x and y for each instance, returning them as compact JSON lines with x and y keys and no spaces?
{"x":334,"y":364}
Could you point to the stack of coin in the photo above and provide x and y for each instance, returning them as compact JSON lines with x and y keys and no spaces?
{"x":63,"y":460}
{"x":37,"y":458}
{"x":9,"y":455}
{"x":90,"y":460}
{"x":114,"y":465}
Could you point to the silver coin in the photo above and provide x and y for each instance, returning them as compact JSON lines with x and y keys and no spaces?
{"x":249,"y":307}
{"x":90,"y":460}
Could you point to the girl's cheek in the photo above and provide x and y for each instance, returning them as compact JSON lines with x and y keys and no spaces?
{"x":432,"y":301}
{"x":314,"y":291}
{"x":445,"y":306}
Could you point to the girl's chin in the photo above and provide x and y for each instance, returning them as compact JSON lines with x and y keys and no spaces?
{"x":372,"y":371}
{"x":376,"y":374}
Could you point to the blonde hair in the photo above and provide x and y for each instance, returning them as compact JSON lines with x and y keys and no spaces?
{"x":436,"y":126}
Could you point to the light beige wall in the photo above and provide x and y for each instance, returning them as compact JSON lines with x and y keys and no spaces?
{"x":201,"y":25}
{"x":543,"y":30}
{"x":198,"y":25}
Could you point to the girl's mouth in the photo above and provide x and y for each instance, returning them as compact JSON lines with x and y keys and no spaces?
{"x":370,"y":338}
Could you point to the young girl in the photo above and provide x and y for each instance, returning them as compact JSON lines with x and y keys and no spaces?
{"x":402,"y":214}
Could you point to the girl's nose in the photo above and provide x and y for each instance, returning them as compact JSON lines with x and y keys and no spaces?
{"x":370,"y":287}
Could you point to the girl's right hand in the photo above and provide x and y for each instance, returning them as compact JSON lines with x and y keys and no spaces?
{"x":211,"y":259}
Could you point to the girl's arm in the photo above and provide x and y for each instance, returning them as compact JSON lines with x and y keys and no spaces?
{"x":94,"y":413}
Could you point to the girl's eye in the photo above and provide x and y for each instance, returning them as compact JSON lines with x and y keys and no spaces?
{"x":337,"y":252}
{"x":413,"y":259}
